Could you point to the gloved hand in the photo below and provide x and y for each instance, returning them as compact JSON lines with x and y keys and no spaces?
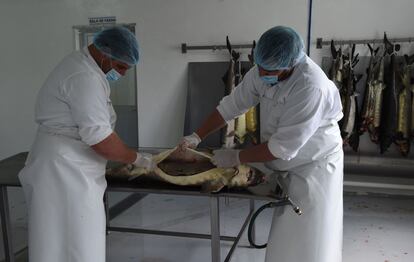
{"x":190,"y":141}
{"x":144,"y":160}
{"x":226,"y":158}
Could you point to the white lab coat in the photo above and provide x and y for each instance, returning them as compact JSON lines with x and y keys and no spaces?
{"x":64,"y":179}
{"x":298,"y":119}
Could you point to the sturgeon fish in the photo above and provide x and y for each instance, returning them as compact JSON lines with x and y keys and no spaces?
{"x":402,"y":138}
{"x":378,"y":85}
{"x":335,"y":72}
{"x":234,"y":128}
{"x":389,"y":112}
{"x":368,"y":106}
{"x":192,"y":168}
{"x":252,"y":118}
{"x":349,"y":129}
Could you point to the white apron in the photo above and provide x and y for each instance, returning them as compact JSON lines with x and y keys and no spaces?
{"x":64,"y":183}
{"x":315,"y":184}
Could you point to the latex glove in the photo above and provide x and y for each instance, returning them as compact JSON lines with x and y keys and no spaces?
{"x":144,"y":160}
{"x":190,"y":141}
{"x":226,"y":158}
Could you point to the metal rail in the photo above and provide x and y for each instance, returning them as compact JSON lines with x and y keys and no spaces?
{"x":320,"y":42}
{"x":185,"y":47}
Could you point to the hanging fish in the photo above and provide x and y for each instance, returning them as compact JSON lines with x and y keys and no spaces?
{"x":389,"y":114}
{"x":378,"y":86}
{"x":410,"y":61}
{"x":349,"y":101}
{"x":252,"y":118}
{"x":230,"y":83}
{"x":402,"y":138}
{"x":335,"y":72}
{"x":368,"y":106}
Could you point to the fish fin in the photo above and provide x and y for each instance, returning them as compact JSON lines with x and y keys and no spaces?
{"x":212,"y":186}
{"x":371,"y":50}
{"x":228,"y":44}
{"x":376,"y":51}
{"x":333,"y":50}
{"x":251,"y":55}
{"x":389,"y":47}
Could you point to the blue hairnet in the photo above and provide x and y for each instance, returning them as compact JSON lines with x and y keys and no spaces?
{"x":118,"y":43}
{"x":279,"y":48}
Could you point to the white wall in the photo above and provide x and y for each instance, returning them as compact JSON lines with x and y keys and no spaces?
{"x":367,"y":19}
{"x":37,"y":34}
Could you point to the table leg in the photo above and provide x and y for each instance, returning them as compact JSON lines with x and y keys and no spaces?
{"x":251,"y":211}
{"x":5,"y":225}
{"x":215,"y":228}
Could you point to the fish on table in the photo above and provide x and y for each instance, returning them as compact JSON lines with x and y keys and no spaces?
{"x":191,"y":168}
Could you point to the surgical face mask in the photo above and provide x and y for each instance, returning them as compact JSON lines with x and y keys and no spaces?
{"x":113,"y":75}
{"x":270,"y":79}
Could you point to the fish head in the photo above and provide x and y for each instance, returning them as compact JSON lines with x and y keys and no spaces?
{"x":255,"y":177}
{"x":247,"y":176}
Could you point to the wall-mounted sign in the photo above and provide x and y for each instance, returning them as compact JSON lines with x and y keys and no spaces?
{"x":102,"y":20}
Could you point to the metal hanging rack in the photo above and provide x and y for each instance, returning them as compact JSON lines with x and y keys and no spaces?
{"x":185,"y":47}
{"x":320,"y":42}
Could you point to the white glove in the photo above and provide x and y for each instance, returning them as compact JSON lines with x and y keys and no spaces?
{"x":190,"y":141}
{"x":226,"y":158}
{"x":144,"y":160}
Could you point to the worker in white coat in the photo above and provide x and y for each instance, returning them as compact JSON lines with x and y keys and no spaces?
{"x":299,"y":110}
{"x":64,"y":176}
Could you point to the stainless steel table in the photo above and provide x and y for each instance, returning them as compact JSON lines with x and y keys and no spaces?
{"x":10,"y":167}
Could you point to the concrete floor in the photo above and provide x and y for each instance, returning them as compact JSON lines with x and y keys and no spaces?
{"x":377,"y":229}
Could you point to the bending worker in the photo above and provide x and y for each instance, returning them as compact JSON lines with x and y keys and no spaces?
{"x":64,"y":177}
{"x":299,"y":110}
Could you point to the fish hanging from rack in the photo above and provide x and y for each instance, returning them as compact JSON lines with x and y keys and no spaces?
{"x":403,"y":135}
{"x":335,"y":72}
{"x":389,"y":113}
{"x":378,"y":86}
{"x":349,"y":129}
{"x":368,"y":105}
{"x":252,"y":116}
{"x":235,"y":130}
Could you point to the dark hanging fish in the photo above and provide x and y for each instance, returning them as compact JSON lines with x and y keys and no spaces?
{"x":349,"y":131}
{"x":335,"y":72}
{"x":410,"y":60}
{"x":230,"y":83}
{"x":402,"y":138}
{"x":378,"y":85}
{"x":235,"y":131}
{"x":389,"y":112}
{"x":252,"y":115}
{"x":368,"y":106}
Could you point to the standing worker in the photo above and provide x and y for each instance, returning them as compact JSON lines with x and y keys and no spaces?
{"x":299,"y":110}
{"x":64,"y":176}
